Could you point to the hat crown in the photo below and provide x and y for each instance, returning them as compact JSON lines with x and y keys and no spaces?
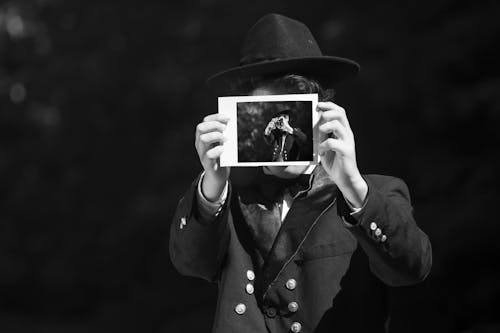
{"x":275,"y":37}
{"x":278,"y":45}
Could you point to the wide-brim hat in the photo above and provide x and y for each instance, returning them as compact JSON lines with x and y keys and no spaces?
{"x":277,"y":45}
{"x":286,"y":111}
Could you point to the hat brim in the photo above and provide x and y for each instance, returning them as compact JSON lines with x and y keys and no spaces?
{"x":328,"y":70}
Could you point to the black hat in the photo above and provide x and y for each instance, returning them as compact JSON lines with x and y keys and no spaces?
{"x":277,"y":44}
{"x":287,"y":112}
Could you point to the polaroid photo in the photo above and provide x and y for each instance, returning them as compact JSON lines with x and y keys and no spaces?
{"x":277,"y":130}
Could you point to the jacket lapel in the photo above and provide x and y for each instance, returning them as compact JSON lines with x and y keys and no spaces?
{"x":289,"y":140}
{"x":302,"y":217}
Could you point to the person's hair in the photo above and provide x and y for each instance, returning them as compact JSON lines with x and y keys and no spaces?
{"x":285,"y":84}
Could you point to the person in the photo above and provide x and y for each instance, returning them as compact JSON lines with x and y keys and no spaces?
{"x":285,"y":140}
{"x":293,"y":249}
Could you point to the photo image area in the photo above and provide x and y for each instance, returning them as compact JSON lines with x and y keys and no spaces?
{"x":274,"y":131}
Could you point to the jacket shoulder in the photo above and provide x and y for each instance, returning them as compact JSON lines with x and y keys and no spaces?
{"x":387,"y":183}
{"x":381,"y":181}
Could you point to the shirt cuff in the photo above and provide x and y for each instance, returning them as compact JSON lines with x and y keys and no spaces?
{"x":210,"y":209}
{"x":354,"y":210}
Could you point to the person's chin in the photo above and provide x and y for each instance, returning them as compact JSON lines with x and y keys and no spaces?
{"x":287,"y":172}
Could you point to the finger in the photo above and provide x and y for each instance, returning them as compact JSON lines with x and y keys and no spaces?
{"x":217,"y":117}
{"x":324,"y":106}
{"x":334,"y":127}
{"x":212,"y":137}
{"x":331,"y":145}
{"x":215,"y":152}
{"x":210,"y":126}
{"x":331,"y":111}
{"x":335,"y":115}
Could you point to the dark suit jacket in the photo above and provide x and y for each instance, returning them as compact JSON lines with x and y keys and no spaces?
{"x":291,"y":148}
{"x":342,"y":272}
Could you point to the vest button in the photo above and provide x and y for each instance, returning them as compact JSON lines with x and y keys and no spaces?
{"x":293,"y":306}
{"x":296,"y":327}
{"x":271,"y":312}
{"x":250,"y":275}
{"x":240,"y":308}
{"x":291,"y":284}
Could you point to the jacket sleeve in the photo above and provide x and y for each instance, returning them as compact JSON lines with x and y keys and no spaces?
{"x":270,"y":138}
{"x":198,"y":247}
{"x":398,"y":250}
{"x":299,"y":136}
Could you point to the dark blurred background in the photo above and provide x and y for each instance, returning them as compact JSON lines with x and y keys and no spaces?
{"x":98,"y":105}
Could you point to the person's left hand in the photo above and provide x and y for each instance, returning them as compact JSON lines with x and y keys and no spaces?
{"x":338,"y":154}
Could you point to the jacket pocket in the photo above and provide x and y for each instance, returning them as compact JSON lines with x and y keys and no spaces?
{"x":325,"y":250}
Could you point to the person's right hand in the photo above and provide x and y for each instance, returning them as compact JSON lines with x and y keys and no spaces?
{"x":208,"y":143}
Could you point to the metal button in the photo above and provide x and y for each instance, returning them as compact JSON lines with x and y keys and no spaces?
{"x":250,"y":275}
{"x":293,"y":306}
{"x":240,"y":308}
{"x":378,"y":232}
{"x":383,"y":238}
{"x":291,"y":284}
{"x":249,"y":288}
{"x":296,"y":327}
{"x":271,"y":312}
{"x":373,"y":226}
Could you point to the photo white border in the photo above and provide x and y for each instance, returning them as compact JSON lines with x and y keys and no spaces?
{"x":228,"y":107}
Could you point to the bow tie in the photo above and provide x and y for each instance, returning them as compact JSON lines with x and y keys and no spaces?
{"x":268,"y":189}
